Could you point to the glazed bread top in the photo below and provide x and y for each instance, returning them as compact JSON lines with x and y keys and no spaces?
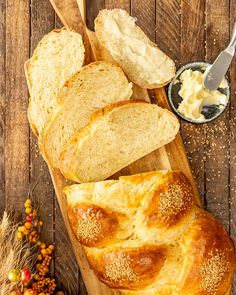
{"x":144,"y":234}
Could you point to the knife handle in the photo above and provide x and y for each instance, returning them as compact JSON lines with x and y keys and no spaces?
{"x":232,"y":42}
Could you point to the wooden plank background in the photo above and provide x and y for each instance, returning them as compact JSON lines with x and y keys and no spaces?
{"x":187,"y":30}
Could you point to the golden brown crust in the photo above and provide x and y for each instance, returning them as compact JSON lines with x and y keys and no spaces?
{"x":67,"y":153}
{"x":129,"y":268}
{"x":92,"y":225}
{"x":26,"y":68}
{"x":210,"y":254}
{"x":169,"y":243}
{"x":100,"y":113}
{"x":32,"y":124}
{"x":171,"y":201}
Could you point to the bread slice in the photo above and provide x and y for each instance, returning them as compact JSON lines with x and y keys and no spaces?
{"x":144,"y":63}
{"x":115,"y":137}
{"x":58,"y":56}
{"x":94,"y":87}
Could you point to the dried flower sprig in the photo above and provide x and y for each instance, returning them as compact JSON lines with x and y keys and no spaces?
{"x":14,"y":254}
{"x":30,"y":230}
{"x":24,"y":258}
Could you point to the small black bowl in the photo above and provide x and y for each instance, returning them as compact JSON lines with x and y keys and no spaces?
{"x":210,"y":112}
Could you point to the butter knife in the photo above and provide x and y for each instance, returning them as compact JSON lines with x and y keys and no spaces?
{"x":216,"y":72}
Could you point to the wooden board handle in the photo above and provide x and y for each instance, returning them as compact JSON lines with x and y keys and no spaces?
{"x":82,"y":8}
{"x":72,"y":17}
{"x":69,"y":13}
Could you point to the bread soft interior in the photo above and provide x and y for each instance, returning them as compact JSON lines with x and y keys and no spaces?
{"x":94,"y":87}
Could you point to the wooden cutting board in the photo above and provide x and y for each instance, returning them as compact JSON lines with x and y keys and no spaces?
{"x":172,"y":156}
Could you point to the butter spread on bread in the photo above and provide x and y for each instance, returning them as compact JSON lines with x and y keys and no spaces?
{"x":116,"y":136}
{"x":144,"y":234}
{"x":95,"y":86}
{"x":58,"y":56}
{"x":144,"y":63}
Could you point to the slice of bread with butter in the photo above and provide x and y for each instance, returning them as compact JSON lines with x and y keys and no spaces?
{"x":144,"y":63}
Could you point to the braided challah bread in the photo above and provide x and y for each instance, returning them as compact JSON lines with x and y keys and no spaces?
{"x":144,"y":234}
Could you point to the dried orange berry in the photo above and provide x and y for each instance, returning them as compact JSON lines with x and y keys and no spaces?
{"x":19,"y":235}
{"x":26,"y":232}
{"x":51,"y":247}
{"x":44,"y":252}
{"x":33,"y":233}
{"x":36,"y":277}
{"x":28,"y":225}
{"x":39,"y":257}
{"x":43,"y":246}
{"x":21,"y":228}
{"x":28,"y":210}
{"x":34,"y":240}
{"x":28,"y":202}
{"x":38,"y":266}
{"x":29,"y":292}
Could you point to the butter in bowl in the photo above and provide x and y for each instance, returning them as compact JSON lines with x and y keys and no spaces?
{"x":191,"y":100}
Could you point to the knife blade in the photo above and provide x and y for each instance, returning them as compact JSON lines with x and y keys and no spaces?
{"x":216,"y":72}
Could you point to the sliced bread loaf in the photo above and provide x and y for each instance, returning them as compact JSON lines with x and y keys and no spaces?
{"x":115,"y":137}
{"x":144,"y":63}
{"x":58,"y":56}
{"x":94,"y":87}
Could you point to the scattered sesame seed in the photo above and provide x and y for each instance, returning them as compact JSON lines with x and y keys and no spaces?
{"x":209,"y":147}
{"x":212,"y":271}
{"x":174,"y":200}
{"x":120,"y":270}
{"x":88,"y":229}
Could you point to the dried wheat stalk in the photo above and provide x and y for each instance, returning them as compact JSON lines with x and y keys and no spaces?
{"x":13,"y":253}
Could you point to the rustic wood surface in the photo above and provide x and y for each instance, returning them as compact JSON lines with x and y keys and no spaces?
{"x":188,"y":31}
{"x":172,"y":156}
